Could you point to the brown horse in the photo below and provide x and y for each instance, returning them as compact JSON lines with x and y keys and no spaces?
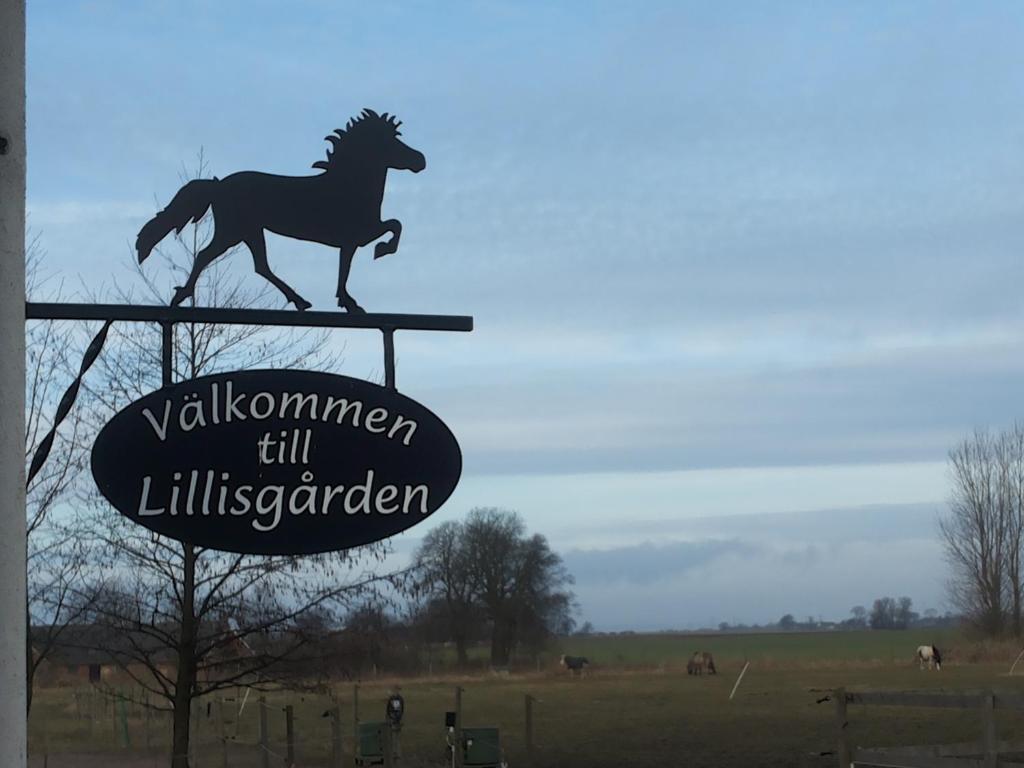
{"x":701,"y":662}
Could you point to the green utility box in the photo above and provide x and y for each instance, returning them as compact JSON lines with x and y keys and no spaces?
{"x":481,"y":748}
{"x":372,"y":743}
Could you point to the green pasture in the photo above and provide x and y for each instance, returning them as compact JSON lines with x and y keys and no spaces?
{"x":637,"y":708}
{"x":673,"y":649}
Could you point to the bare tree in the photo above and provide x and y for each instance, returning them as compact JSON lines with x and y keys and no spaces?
{"x":56,"y":556}
{"x":192,"y":620}
{"x":487,"y":566}
{"x":444,"y":566}
{"x":1010,"y":453}
{"x":520,"y":581}
{"x":977,"y":530}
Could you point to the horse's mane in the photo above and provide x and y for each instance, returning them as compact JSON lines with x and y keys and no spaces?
{"x":367,"y":124}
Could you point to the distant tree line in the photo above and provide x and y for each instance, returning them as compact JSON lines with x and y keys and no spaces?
{"x":885,"y":613}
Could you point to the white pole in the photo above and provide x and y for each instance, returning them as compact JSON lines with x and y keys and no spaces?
{"x":13,"y":732}
{"x":739,"y":680}
{"x":1014,"y":666}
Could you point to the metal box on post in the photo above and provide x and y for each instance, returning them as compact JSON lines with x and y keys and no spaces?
{"x":481,"y":748}
{"x":371,"y":744}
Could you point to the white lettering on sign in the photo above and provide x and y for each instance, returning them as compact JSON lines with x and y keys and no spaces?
{"x":206,"y":494}
{"x":196,"y":412}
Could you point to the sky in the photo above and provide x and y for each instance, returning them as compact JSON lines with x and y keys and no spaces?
{"x":741,"y":273}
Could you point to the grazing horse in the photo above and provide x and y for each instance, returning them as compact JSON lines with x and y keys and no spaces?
{"x":929,"y":654}
{"x":575,"y":664}
{"x":339,"y":207}
{"x":702,"y":662}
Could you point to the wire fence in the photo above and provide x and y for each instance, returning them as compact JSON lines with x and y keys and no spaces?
{"x":89,"y":726}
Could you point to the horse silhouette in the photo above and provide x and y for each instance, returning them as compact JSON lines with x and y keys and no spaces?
{"x":339,"y":207}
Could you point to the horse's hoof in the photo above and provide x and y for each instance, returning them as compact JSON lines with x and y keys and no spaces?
{"x":382,"y":249}
{"x":350,"y":306}
{"x":301,"y":304}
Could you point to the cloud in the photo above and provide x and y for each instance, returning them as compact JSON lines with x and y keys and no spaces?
{"x":644,"y":564}
{"x":804,"y":581}
{"x":44,"y":215}
{"x":808,"y":563}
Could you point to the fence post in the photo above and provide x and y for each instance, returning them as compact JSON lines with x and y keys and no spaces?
{"x":264,"y":741}
{"x":988,"y":720}
{"x":529,"y":727}
{"x":289,"y":735}
{"x":389,"y":747}
{"x":355,"y":719}
{"x":458,"y":727}
{"x":123,"y":714}
{"x":222,"y":733}
{"x":195,"y":742}
{"x":336,"y":751}
{"x":842,"y":745}
{"x":91,"y":701}
{"x":149,"y":718}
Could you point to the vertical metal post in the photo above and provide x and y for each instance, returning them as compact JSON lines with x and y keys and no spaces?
{"x":289,"y":736}
{"x":149,"y":720}
{"x":355,"y":719}
{"x":458,"y":728}
{"x":336,"y":751}
{"x":988,"y":721}
{"x":13,"y":606}
{"x":122,"y":707}
{"x":167,"y":353}
{"x":842,"y":745}
{"x":530,"y":749}
{"x":389,"y":746}
{"x":264,"y":739}
{"x":222,"y":733}
{"x":195,"y":742}
{"x":389,"y":357}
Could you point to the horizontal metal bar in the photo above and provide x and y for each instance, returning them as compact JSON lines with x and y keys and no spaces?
{"x":960,"y":749}
{"x":958,"y":700}
{"x":880,"y":758}
{"x":885,"y":758}
{"x":214,"y":315}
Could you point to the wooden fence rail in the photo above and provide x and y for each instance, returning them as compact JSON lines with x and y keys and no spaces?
{"x":983,"y":753}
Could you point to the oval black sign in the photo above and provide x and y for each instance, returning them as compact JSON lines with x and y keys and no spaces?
{"x":276,"y":462}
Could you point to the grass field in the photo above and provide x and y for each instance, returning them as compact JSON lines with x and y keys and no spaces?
{"x":638,"y":707}
{"x":780,"y":647}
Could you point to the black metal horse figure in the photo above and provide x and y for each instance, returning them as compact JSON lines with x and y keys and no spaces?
{"x":340,"y":207}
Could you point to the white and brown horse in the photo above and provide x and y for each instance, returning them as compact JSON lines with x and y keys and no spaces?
{"x":929,"y":654}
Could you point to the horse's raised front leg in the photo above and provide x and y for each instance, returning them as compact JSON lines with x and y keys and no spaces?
{"x":203,"y":259}
{"x":344,"y":267}
{"x":394,"y":226}
{"x":258,"y":245}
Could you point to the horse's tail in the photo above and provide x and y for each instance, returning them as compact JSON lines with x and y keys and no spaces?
{"x":190,"y":204}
